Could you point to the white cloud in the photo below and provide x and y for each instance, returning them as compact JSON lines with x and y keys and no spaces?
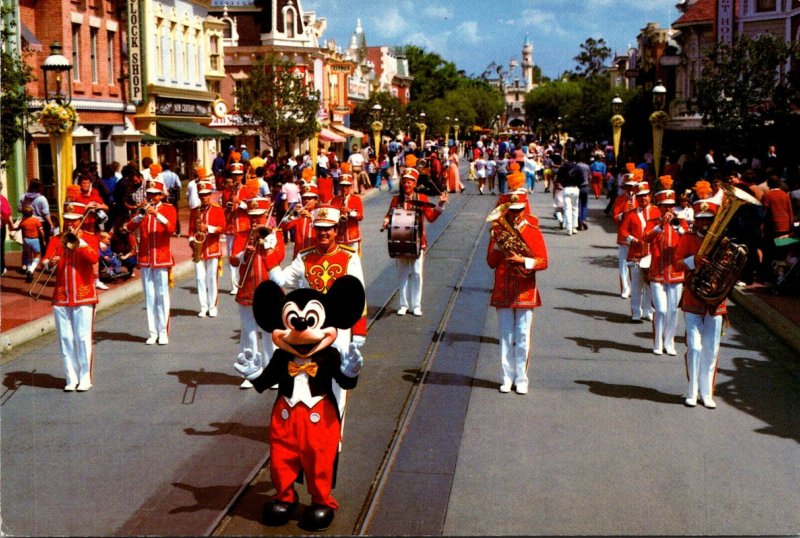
{"x":437,"y":12}
{"x":468,"y":31}
{"x":431,"y":42}
{"x":540,"y":23}
{"x":391,"y":23}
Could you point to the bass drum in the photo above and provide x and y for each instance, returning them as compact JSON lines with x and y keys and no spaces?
{"x":404,"y":236}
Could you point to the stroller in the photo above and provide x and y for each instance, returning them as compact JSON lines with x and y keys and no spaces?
{"x":108,"y":274}
{"x":786,"y":267}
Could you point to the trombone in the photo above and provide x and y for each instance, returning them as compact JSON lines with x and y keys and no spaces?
{"x":256,"y":232}
{"x":36,"y":293}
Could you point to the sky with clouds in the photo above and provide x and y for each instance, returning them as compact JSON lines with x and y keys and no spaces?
{"x":474,"y":33}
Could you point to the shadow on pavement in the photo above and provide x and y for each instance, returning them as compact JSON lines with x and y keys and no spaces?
{"x":765,"y":392}
{"x":15,"y":380}
{"x":253,"y":433}
{"x":100,"y":336}
{"x":444,"y":378}
{"x":194,"y":378}
{"x":596,"y":345}
{"x":587,"y":292}
{"x":600,"y":315}
{"x":183,"y":312}
{"x":611,"y":262}
{"x":214,"y":498}
{"x":631,"y":392}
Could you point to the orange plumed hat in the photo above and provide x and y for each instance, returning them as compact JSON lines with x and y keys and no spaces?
{"x":630,"y":167}
{"x":515,"y":180}
{"x":73,"y":193}
{"x":308,"y":173}
{"x":411,"y":160}
{"x":638,"y":174}
{"x":345,"y":168}
{"x":252,"y":186}
{"x":703,"y":189}
{"x":666,"y":182}
{"x":513,"y":167}
{"x":236,"y":156}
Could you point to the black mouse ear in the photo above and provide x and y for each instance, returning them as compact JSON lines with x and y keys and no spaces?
{"x":345,"y":302}
{"x":267,"y":306}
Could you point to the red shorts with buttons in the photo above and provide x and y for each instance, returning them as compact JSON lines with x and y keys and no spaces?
{"x":308,"y":440}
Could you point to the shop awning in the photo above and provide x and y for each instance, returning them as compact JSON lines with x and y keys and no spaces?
{"x":149,"y":140}
{"x":330,"y":136}
{"x":347,"y":131}
{"x":177,"y":131}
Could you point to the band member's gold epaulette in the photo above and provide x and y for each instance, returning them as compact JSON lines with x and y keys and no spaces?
{"x":348,"y":248}
{"x":307,"y":250}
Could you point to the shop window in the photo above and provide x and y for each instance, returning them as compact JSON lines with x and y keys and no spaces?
{"x":132,"y":151}
{"x":46,"y":174}
{"x":93,"y":52}
{"x":110,"y":59}
{"x":213,"y":44}
{"x":76,"y":56}
{"x":763,"y":6}
{"x":290,"y":23}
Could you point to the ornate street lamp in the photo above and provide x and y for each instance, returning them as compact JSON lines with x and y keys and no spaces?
{"x":616,"y":123}
{"x":377,"y":127}
{"x":455,"y":129}
{"x":658,"y":119}
{"x":59,"y":118}
{"x":447,"y":131}
{"x":422,"y":128}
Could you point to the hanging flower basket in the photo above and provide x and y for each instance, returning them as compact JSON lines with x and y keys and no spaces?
{"x":617,"y":120}
{"x":58,"y":119}
{"x":659,"y":119}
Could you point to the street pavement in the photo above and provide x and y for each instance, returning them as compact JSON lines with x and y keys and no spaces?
{"x":601,"y":445}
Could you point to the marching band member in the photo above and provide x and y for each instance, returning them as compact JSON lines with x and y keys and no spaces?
{"x":255,"y":252}
{"x":516,"y":191}
{"x":74,"y":298}
{"x":319,"y":266}
{"x":206,"y":223}
{"x":515,"y":293}
{"x":156,"y":222}
{"x":236,"y":220}
{"x":409,"y":269}
{"x":666,"y":283}
{"x":632,"y":230}
{"x":96,"y":210}
{"x":703,"y":322}
{"x":623,"y":204}
{"x":302,"y":225}
{"x":351,"y":211}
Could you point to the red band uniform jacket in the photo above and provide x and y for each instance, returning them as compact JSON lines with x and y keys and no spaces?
{"x":429,"y":213}
{"x":154,"y":236}
{"x":304,"y":236}
{"x":351,"y":231}
{"x":622,"y":205}
{"x":262,"y":261}
{"x":663,"y":243}
{"x":514,"y":288}
{"x":74,"y":273}
{"x":214,"y":218}
{"x":634,"y":225}
{"x":689,"y":245}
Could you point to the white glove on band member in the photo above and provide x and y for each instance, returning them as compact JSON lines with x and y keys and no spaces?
{"x":271,"y":241}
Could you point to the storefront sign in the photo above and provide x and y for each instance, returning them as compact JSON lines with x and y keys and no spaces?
{"x":341,"y":110}
{"x":341,"y":68}
{"x":725,"y":22}
{"x":135,"y":64}
{"x":357,"y":88}
{"x":174,"y":107}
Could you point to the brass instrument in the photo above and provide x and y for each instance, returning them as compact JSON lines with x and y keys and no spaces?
{"x":234,"y":194}
{"x":256,"y":233}
{"x":341,"y":227}
{"x":199,"y":237}
{"x":70,"y":240}
{"x":143,"y":207}
{"x":712,"y":281}
{"x":505,"y":235}
{"x":38,"y":292}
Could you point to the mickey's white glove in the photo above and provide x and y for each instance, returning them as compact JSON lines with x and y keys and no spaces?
{"x":249,"y":364}
{"x":270,"y":241}
{"x":352,"y":361}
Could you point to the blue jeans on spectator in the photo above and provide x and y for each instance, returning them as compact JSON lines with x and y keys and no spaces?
{"x":583,"y":201}
{"x":530,"y":178}
{"x":501,"y":182}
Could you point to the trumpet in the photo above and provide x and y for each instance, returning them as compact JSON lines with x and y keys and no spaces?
{"x":36,"y":293}
{"x":143,"y":207}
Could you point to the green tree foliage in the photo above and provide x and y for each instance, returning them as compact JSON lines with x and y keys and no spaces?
{"x":14,"y":74}
{"x":392,"y":114}
{"x":592,"y":57}
{"x":745,"y":86}
{"x":554,"y":100}
{"x":433,"y":76}
{"x":275,"y":100}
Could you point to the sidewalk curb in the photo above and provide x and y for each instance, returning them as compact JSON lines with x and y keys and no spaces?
{"x":771,"y":318}
{"x":42,"y":326}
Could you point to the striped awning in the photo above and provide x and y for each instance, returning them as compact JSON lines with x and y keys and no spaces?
{"x":347,"y":131}
{"x":330,"y":136}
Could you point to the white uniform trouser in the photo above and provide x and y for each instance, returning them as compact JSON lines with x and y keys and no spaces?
{"x":624,"y":270}
{"x":516,"y":325}
{"x":205,"y":275}
{"x":250,"y":335}
{"x":409,"y":275}
{"x":156,"y":296}
{"x":665,"y":321}
{"x":74,"y":330}
{"x":640,"y":294}
{"x":703,"y":334}
{"x":234,"y":270}
{"x":571,"y":207}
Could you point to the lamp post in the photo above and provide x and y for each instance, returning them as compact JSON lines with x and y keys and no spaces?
{"x":447,"y":131}
{"x":658,"y":119}
{"x":313,"y":150}
{"x":377,"y":127}
{"x":59,"y":119}
{"x":455,"y":129}
{"x":422,"y":128}
{"x":616,"y":123}
{"x":497,"y":125}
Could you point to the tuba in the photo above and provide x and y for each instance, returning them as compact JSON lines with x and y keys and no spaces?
{"x":712,"y":282}
{"x":505,"y":235}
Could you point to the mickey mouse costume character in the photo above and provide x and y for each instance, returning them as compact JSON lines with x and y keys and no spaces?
{"x":305,"y":427}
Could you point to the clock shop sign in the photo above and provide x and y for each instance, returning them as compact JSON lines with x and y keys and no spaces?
{"x":176,"y":107}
